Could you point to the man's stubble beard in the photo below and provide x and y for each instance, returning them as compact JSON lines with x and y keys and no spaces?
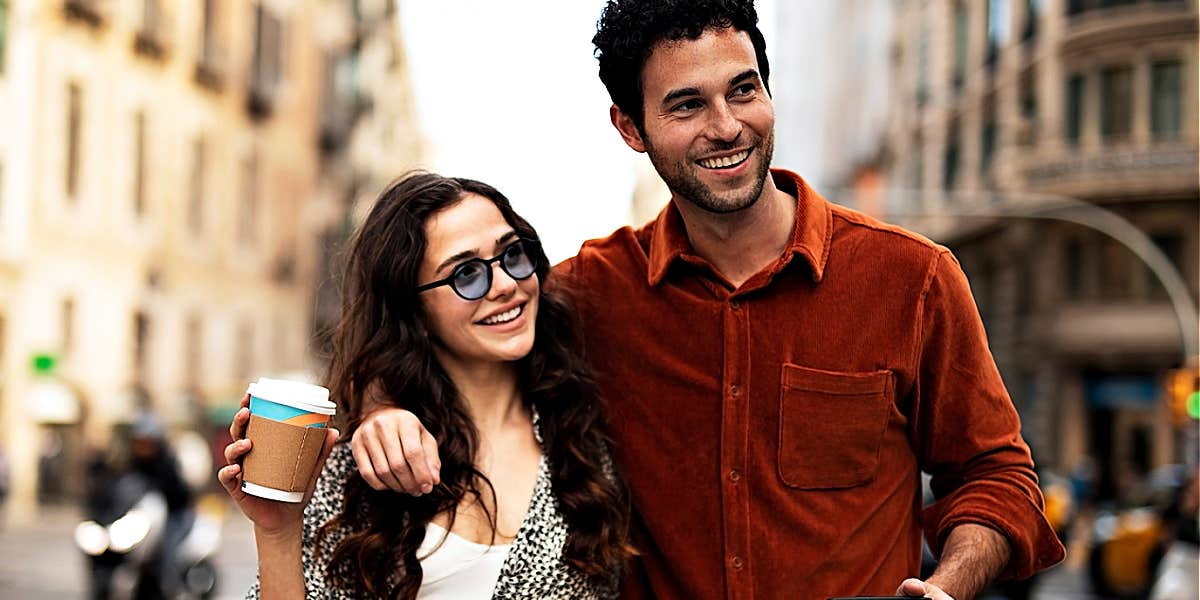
{"x":683,"y":182}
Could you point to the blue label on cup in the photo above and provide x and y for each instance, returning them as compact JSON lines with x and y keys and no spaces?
{"x":286,"y":414}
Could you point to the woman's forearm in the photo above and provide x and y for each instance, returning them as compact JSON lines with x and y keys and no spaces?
{"x":280,"y":567}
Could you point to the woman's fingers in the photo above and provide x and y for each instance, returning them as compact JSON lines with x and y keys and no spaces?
{"x":237,"y":429}
{"x":429,"y":443}
{"x":235,"y":451}
{"x":362,"y":459}
{"x":380,"y":461}
{"x":401,"y":442}
{"x":228,"y":476}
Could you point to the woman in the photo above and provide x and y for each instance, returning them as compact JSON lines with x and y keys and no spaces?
{"x":446,"y":314}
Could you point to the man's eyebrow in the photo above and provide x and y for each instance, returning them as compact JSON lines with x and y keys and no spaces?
{"x":680,"y":93}
{"x":744,"y":75}
{"x":465,"y":254}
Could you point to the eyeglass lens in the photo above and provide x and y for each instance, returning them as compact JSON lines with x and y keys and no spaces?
{"x":473,"y":279}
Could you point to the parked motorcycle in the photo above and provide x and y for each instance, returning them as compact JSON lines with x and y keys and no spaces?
{"x":124,"y":538}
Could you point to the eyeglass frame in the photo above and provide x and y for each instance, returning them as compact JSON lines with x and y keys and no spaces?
{"x":530,"y":249}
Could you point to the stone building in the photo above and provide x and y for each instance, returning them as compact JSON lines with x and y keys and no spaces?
{"x":165,"y":190}
{"x":1004,"y":108}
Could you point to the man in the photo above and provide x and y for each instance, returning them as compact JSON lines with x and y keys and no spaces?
{"x":779,"y":369}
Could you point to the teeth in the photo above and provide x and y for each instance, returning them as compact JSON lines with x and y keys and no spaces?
{"x":718,"y":163}
{"x":503,"y":317}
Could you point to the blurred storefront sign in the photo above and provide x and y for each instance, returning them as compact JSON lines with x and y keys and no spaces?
{"x":1128,"y":391}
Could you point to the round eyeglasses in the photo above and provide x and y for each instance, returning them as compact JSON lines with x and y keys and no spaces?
{"x":472,"y":279}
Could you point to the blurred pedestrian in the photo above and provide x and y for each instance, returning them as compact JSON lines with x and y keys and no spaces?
{"x":151,"y":457}
{"x":447,"y":313}
{"x":780,"y":369}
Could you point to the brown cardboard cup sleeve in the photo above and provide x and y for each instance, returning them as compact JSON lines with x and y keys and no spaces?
{"x":282,"y":456}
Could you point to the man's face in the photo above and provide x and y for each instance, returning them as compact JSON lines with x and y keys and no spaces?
{"x":709,"y":123}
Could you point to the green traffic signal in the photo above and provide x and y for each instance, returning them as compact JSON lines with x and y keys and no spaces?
{"x":1193,"y":405}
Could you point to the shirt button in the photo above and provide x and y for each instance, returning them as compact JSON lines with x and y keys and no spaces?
{"x":735,"y":305}
{"x":735,"y":475}
{"x":734,"y":390}
{"x":737,"y":563}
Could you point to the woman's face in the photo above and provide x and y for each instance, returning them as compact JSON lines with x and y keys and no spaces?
{"x":498,"y":327}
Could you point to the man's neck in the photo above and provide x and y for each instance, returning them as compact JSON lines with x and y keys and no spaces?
{"x":742,"y":243}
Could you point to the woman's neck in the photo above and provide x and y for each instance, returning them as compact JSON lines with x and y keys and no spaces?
{"x":490,"y":392}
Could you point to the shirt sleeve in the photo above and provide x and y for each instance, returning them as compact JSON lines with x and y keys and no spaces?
{"x":967,"y":432}
{"x":325,"y":504}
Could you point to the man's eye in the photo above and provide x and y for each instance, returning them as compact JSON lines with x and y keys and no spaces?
{"x":686,"y":106}
{"x":744,"y":90}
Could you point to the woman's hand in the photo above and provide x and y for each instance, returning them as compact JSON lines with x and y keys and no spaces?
{"x":269,"y":516}
{"x":394,"y":451}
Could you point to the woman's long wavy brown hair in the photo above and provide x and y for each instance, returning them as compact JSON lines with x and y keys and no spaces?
{"x":383,"y":349}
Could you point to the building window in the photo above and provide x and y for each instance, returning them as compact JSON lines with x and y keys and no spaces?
{"x":66,"y":315}
{"x":962,"y":36}
{"x":1166,"y":100}
{"x":139,"y":163}
{"x":1074,"y":121}
{"x":1073,"y":265}
{"x":248,"y":215}
{"x":266,"y":67}
{"x":1116,"y":270}
{"x":987,"y":143}
{"x":74,"y":127}
{"x":141,"y":337}
{"x":1033,"y":14}
{"x":3,"y":32}
{"x":1172,"y":244}
{"x":1116,"y":102}
{"x":196,"y":199}
{"x":999,"y":21}
{"x":1029,"y":108}
{"x":950,"y":162}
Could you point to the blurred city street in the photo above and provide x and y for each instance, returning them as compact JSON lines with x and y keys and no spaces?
{"x":39,"y":560}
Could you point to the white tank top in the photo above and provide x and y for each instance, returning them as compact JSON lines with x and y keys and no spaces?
{"x":459,"y":568}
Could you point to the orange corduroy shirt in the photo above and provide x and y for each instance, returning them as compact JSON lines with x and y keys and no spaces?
{"x":773,"y":435}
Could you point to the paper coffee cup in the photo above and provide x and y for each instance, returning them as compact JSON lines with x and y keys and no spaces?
{"x":287,"y":430}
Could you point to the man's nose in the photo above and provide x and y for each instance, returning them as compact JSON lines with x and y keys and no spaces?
{"x":723,"y":124}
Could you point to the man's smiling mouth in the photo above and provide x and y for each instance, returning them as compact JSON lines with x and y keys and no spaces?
{"x":725,"y":162}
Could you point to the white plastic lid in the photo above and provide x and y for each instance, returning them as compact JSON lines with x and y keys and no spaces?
{"x":298,"y":394}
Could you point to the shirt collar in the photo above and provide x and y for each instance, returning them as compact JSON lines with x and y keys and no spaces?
{"x":810,"y":233}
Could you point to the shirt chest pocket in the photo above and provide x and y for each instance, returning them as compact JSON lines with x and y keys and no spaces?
{"x":831,"y":426}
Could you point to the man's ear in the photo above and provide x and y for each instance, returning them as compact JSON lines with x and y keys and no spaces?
{"x":628,"y":130}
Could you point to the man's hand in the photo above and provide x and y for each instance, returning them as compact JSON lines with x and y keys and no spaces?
{"x":394,"y":451}
{"x":918,"y":588}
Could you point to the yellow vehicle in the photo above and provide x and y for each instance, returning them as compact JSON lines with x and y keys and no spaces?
{"x":1127,"y":544}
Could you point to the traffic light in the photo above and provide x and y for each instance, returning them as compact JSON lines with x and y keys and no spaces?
{"x":1183,"y":395}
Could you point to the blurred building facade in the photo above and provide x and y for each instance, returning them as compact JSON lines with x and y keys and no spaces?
{"x":169,"y":175}
{"x":1005,"y":105}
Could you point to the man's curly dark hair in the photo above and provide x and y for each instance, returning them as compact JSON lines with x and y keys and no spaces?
{"x":629,"y":29}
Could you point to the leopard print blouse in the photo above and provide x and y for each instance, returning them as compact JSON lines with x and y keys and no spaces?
{"x":534,"y":567}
